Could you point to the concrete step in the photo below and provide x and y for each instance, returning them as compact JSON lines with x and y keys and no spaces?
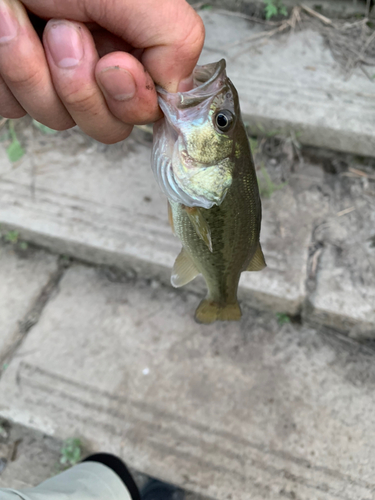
{"x":244,"y":410}
{"x":332,"y":8}
{"x":291,"y":83}
{"x":22,"y":282}
{"x":29,"y":457}
{"x":101,"y":204}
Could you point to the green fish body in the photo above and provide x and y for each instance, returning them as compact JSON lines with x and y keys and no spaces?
{"x":203,"y":162}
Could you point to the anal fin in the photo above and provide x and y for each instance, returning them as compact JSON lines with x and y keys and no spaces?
{"x":183,"y":270}
{"x":258,"y":262}
{"x":200,"y":225}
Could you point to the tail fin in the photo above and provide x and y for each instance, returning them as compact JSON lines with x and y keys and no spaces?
{"x":209,"y":311}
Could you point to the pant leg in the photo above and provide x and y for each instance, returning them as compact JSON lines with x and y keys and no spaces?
{"x":85,"y":481}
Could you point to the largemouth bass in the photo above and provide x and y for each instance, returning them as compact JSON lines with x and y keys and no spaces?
{"x":203,"y":163}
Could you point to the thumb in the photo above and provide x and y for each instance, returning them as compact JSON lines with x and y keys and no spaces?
{"x":169,"y":32}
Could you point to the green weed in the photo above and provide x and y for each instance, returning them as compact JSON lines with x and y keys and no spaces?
{"x":258,"y":130}
{"x":282,"y":318}
{"x":275,"y":8}
{"x":268,"y":187}
{"x":71,"y":452}
{"x":12,"y":237}
{"x":43,"y":128}
{"x":254,"y":145}
{"x":15,"y":151}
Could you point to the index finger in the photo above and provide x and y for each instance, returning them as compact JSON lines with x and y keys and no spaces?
{"x":170,"y":32}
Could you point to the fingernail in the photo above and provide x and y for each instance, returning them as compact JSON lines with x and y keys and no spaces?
{"x":186,"y":84}
{"x":117,"y":83}
{"x":8,"y":23}
{"x":65,"y":44}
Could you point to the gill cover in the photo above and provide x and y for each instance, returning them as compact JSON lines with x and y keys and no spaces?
{"x":194,"y":147}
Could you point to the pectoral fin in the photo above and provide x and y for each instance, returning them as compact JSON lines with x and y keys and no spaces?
{"x":170,"y":218}
{"x":200,"y":225}
{"x":183,"y":270}
{"x":257,"y":263}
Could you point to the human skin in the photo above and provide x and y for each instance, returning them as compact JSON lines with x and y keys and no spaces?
{"x":97,"y":62}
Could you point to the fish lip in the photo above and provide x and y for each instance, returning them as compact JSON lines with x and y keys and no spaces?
{"x":218,"y":69}
{"x":212,"y":78}
{"x":208,"y":75}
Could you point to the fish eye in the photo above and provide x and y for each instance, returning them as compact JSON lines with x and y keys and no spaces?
{"x":224,"y":120}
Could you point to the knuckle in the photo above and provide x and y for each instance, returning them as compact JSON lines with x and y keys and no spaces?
{"x":198,"y":33}
{"x":60,"y":125}
{"x":19,"y":77}
{"x":63,"y":126}
{"x":16,"y":112}
{"x":89,"y":110}
{"x":81,"y":102}
{"x":9,"y":106}
{"x":192,"y":38}
{"x":115,"y":136}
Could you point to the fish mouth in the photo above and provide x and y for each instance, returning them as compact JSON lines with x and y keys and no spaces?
{"x":209,"y":80}
{"x":207,"y":75}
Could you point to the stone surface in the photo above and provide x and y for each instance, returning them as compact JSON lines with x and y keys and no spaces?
{"x":247,"y":410}
{"x":94,"y":201}
{"x":28,"y":457}
{"x":292,"y":84}
{"x":21,"y":282}
{"x":341,"y":300}
{"x":101,"y":204}
{"x":288,"y":219}
{"x":326,"y":7}
{"x":344,"y":292}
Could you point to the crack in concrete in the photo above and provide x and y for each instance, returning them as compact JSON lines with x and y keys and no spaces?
{"x":33,"y":315}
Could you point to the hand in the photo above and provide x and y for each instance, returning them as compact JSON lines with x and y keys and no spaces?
{"x":98,"y":69}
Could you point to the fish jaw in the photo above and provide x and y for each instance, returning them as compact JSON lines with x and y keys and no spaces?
{"x":193,"y":163}
{"x":195,"y":185}
{"x":184,"y":179}
{"x":206,"y":183}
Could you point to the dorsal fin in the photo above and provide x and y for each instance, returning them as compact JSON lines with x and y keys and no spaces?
{"x":200,"y":225}
{"x":257,"y":263}
{"x":183,"y":270}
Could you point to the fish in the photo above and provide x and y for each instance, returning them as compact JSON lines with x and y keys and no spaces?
{"x":202,"y":161}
